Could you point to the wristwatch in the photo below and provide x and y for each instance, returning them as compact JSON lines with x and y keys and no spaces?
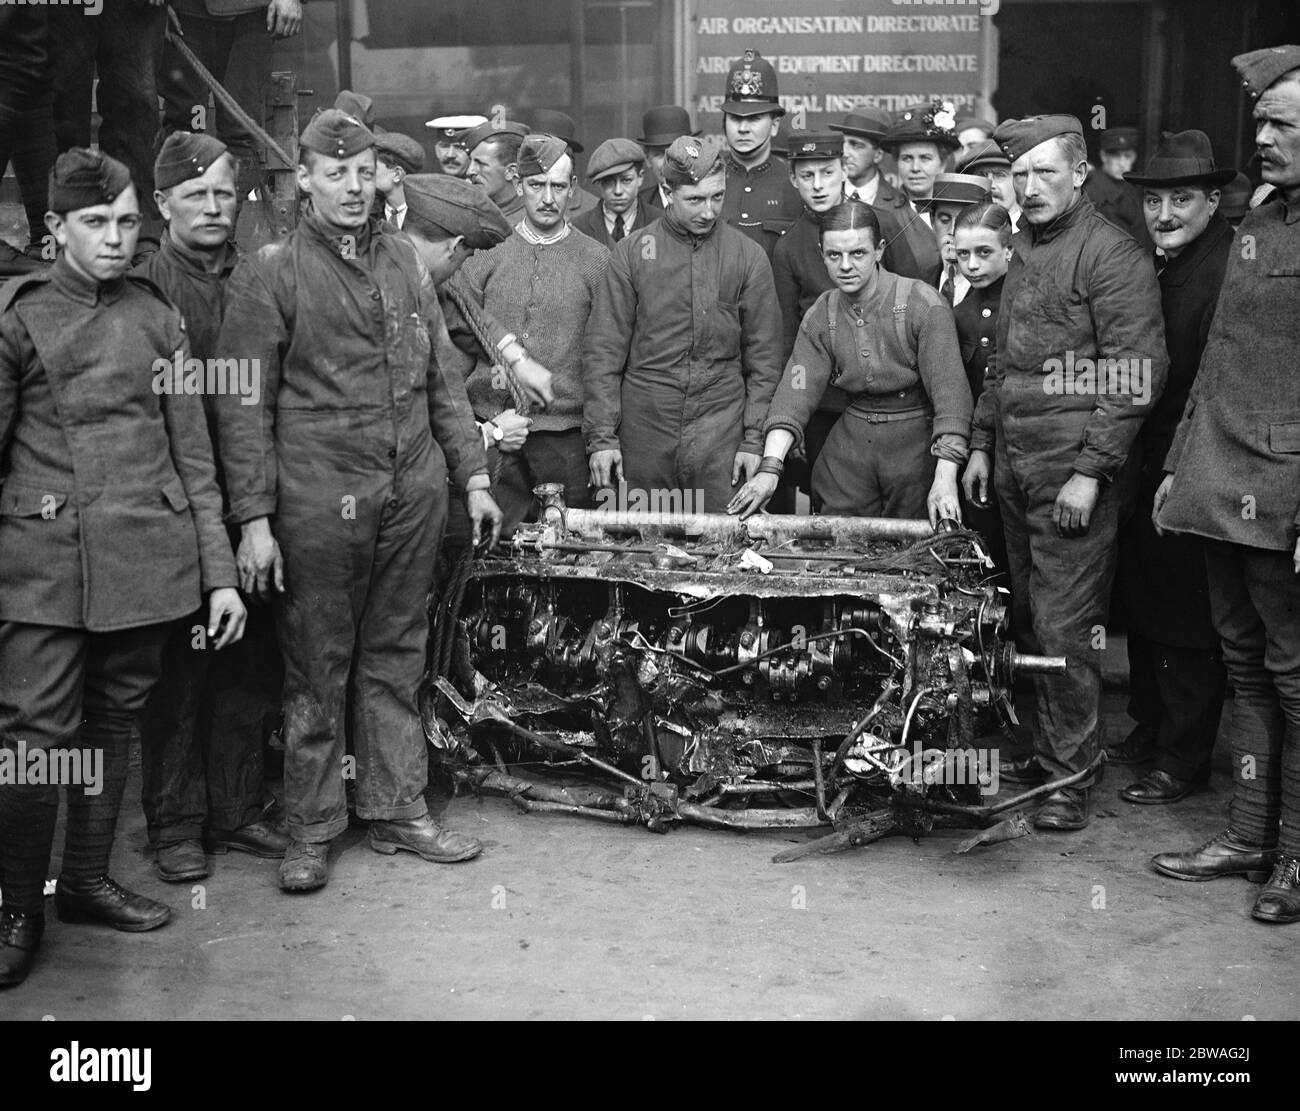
{"x":497,"y":434}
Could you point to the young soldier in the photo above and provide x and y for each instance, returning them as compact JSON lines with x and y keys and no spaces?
{"x":110,"y":530}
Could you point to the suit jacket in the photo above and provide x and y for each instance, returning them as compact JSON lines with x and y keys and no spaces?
{"x":592,"y":222}
{"x":914,"y":248}
{"x":110,"y":516}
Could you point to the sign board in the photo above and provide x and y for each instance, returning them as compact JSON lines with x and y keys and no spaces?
{"x":834,"y":57}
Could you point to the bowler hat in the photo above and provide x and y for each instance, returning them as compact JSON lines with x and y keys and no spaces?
{"x":1182,"y":159}
{"x":547,"y":121}
{"x":664,"y":124}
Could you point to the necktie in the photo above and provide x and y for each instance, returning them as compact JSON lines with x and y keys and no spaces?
{"x":619,"y":230}
{"x":948,"y":289}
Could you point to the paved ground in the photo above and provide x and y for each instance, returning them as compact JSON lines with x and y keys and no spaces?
{"x":565,"y":918}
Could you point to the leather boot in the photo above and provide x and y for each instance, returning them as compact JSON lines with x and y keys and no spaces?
{"x":305,"y":866}
{"x":1065,"y":809}
{"x":1157,"y":788}
{"x":20,"y":937}
{"x":424,"y":837}
{"x":1280,"y":899}
{"x":1137,"y":748}
{"x":181,"y":861}
{"x":1221,"y":855}
{"x":107,"y":903}
{"x":257,"y":839}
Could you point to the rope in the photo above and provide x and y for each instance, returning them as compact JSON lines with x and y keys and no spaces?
{"x":175,"y":36}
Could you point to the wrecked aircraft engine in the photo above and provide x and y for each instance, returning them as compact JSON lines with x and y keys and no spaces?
{"x":780,"y":672}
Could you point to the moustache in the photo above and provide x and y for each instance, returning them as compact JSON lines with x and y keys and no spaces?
{"x":1167,"y":228}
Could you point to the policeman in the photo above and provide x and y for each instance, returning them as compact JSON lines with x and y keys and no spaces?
{"x":760,"y":200}
{"x":345,"y":452}
{"x":448,"y":145}
{"x":110,"y":530}
{"x":206,"y":721}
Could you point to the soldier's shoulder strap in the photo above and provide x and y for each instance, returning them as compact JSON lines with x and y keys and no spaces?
{"x":14,"y":288}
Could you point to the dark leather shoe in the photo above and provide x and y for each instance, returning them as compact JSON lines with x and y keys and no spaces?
{"x":305,"y":866}
{"x":1156,"y":788}
{"x":1219,"y":856}
{"x":424,"y":837}
{"x":181,"y":861}
{"x":258,"y":839}
{"x":1280,"y":899}
{"x":1022,"y":771}
{"x":109,"y":903}
{"x":1137,"y":748}
{"x":1066,"y":808}
{"x":20,"y":936}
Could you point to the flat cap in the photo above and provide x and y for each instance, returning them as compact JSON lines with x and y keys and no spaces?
{"x":442,"y":206}
{"x":613,"y":156}
{"x":547,"y":121}
{"x":1015,"y":137}
{"x":966,"y":123}
{"x":1260,"y":68}
{"x":451,"y":129}
{"x":982,"y":155}
{"x":933,"y":124}
{"x":356,"y":104}
{"x":961,"y":189}
{"x":83,"y":178}
{"x":869,"y":123}
{"x":337,"y":134}
{"x":399,"y":150}
{"x":538,"y":153}
{"x":664,"y":124}
{"x":470,"y":139}
{"x":185,"y":155}
{"x":1118,"y":138}
{"x":688,"y":160}
{"x":808,"y":145}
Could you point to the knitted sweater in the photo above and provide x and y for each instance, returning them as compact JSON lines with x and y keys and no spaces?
{"x":543,"y":293}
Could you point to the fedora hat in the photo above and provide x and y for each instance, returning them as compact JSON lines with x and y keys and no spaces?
{"x":1181,"y":159}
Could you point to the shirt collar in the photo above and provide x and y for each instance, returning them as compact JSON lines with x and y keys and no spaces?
{"x":81,"y":288}
{"x":629,"y":218}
